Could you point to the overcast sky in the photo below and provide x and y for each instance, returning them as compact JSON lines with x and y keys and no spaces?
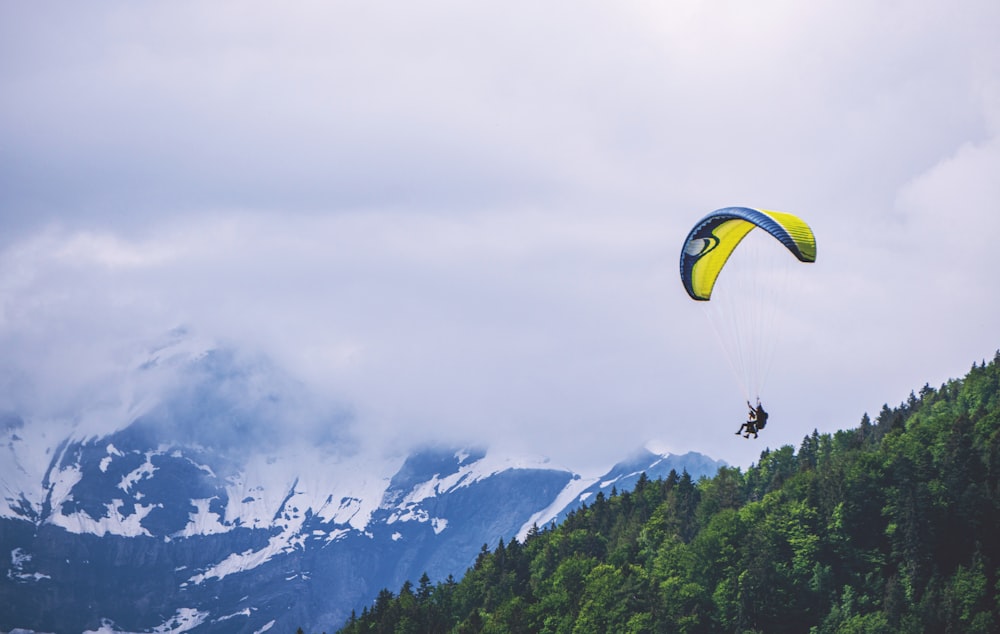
{"x":462,"y":221}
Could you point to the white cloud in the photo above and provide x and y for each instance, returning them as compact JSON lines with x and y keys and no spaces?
{"x":464,"y":219}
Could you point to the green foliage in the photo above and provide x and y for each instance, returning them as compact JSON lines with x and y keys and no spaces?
{"x":889,"y":527}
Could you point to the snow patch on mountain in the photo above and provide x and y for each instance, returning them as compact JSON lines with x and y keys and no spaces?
{"x":337,"y":489}
{"x":183,"y":620}
{"x":112,"y":452}
{"x":128,"y":481}
{"x":439,"y":473}
{"x":569,"y":495}
{"x":19,"y":558}
{"x":471,"y":473}
{"x":113,"y":523}
{"x":241,"y":562}
{"x":204,"y":521}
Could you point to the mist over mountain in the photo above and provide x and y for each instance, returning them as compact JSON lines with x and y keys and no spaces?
{"x":219,"y":495}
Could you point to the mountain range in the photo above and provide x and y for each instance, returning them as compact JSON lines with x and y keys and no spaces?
{"x":193,"y":512}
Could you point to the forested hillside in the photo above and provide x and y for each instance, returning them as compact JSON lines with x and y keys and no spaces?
{"x":893,"y":526}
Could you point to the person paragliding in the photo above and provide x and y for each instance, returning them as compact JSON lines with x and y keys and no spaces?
{"x":743,"y":314}
{"x":750,"y":426}
{"x":756,"y":420}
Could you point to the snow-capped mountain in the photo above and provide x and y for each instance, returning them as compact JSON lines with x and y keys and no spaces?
{"x":192,"y":512}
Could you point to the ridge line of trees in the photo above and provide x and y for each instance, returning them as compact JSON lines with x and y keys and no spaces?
{"x":893,"y":526}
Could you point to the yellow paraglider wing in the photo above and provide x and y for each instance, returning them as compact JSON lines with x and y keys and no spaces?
{"x":709,"y":245}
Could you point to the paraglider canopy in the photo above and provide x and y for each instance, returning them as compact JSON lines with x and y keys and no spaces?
{"x":711,"y":242}
{"x":744,"y":308}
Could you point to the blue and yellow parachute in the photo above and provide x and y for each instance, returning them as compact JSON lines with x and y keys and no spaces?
{"x":709,"y":245}
{"x":744,"y":312}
